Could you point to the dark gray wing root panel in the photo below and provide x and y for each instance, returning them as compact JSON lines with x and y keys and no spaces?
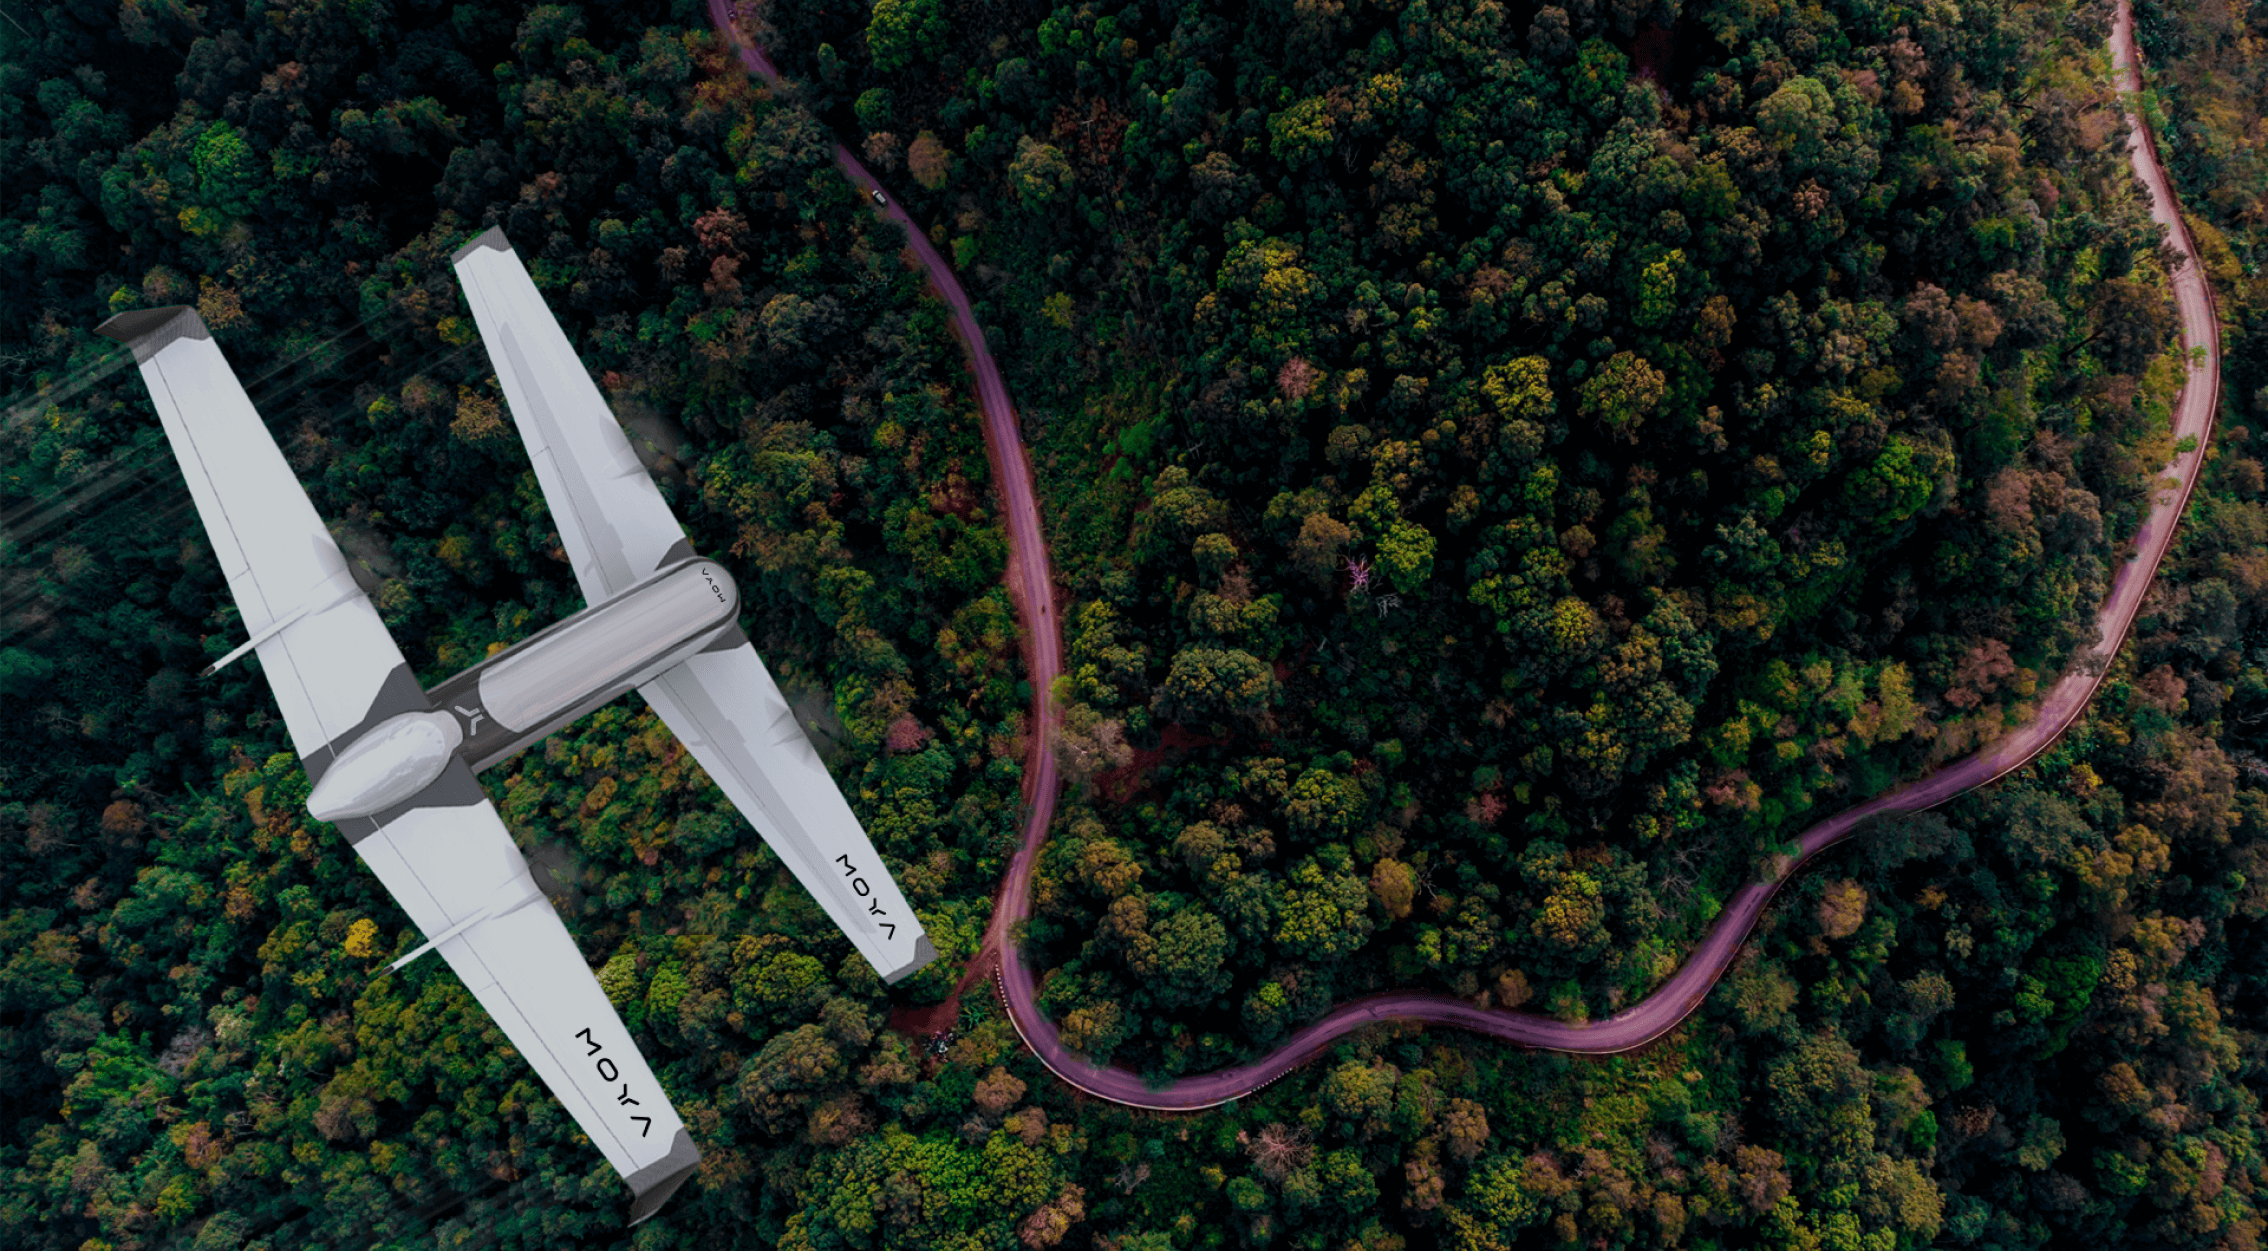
{"x":457,"y":787}
{"x":729,"y":637}
{"x":655,"y":1183}
{"x":149,"y":331}
{"x":398,"y":694}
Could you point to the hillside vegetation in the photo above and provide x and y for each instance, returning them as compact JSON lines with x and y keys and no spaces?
{"x":1740,"y":403}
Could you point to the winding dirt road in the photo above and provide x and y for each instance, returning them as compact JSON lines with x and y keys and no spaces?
{"x":1673,"y":1001}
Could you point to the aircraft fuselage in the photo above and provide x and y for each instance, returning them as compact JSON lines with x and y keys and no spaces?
{"x":515,"y":698}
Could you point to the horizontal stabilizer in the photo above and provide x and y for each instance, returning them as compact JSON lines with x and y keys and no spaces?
{"x":612,"y":520}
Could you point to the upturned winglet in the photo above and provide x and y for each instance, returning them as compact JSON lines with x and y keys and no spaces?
{"x":924,"y":952}
{"x":493,"y":237}
{"x":149,"y":331}
{"x":655,"y":1183}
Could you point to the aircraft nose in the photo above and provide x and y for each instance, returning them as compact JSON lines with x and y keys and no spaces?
{"x":396,"y":759}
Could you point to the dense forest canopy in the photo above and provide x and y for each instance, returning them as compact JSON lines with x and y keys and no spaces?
{"x":1730,"y":408}
{"x":1550,"y":456}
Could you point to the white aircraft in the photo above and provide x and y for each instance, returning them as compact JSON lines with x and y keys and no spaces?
{"x":392,"y":766}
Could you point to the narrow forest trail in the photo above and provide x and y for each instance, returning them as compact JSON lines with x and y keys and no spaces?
{"x":1657,"y":1014}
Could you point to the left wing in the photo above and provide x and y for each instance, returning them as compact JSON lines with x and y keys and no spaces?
{"x":612,"y":520}
{"x":453,"y":867}
{"x":328,"y":658}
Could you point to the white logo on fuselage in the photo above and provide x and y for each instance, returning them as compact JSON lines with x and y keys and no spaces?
{"x":475,"y":714}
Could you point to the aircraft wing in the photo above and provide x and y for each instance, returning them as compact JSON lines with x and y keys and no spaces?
{"x":722,"y":704}
{"x":725,"y":708}
{"x":445,"y":855}
{"x":332,"y":665}
{"x":612,"y":519}
{"x":451,"y":864}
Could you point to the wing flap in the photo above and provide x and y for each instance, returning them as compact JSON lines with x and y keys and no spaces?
{"x":726,"y":709}
{"x":611,"y":517}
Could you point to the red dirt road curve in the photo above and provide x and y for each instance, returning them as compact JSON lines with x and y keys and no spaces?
{"x":1675,"y":999}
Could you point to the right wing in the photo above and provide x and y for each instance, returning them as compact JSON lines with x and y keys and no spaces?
{"x":612,"y":520}
{"x":332,"y":665}
{"x":725,"y":708}
{"x":722,"y":704}
{"x":450,"y":863}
